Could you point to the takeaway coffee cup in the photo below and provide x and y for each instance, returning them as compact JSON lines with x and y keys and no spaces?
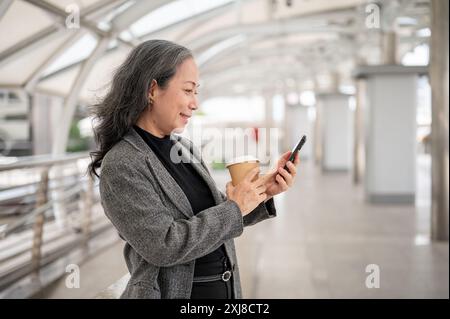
{"x":240,"y":166}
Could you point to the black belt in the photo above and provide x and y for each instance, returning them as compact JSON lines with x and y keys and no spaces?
{"x":224,"y":277}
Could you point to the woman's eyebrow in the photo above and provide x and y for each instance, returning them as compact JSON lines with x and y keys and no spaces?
{"x":197,"y":85}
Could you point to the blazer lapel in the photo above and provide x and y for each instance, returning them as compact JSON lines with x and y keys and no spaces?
{"x":194,"y":157}
{"x":163,"y":177}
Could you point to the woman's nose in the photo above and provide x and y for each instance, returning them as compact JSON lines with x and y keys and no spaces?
{"x":194,"y":104}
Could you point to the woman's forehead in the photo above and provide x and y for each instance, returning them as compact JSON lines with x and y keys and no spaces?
{"x":188,"y":72}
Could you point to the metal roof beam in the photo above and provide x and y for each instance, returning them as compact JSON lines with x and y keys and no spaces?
{"x":30,"y":43}
{"x":253,"y":70}
{"x":36,"y":39}
{"x":262,"y":29}
{"x":135,"y":12}
{"x":209,"y":14}
{"x":58,"y":12}
{"x":4,"y":5}
{"x":101,"y":6}
{"x":301,"y":51}
{"x":91,"y":26}
{"x":297,"y":25}
{"x":62,"y":132}
{"x":32,"y":80}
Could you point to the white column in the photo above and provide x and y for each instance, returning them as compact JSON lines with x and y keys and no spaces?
{"x":268,"y":111}
{"x":317,"y":136}
{"x":267,"y":142}
{"x":358,"y":135}
{"x":389,"y":47}
{"x":299,"y":124}
{"x":390,"y":128}
{"x":46,"y":113}
{"x":336,"y":131}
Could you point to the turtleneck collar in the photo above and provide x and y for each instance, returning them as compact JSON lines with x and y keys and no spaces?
{"x":165,"y":138}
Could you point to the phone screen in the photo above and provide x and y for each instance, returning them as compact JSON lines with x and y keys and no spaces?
{"x":295,"y":150}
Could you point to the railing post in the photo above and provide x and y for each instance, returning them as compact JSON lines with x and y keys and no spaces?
{"x":59,"y":207}
{"x":87,"y":199}
{"x":38,"y":227}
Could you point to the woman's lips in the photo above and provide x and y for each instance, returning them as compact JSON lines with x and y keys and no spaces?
{"x":185,"y":117}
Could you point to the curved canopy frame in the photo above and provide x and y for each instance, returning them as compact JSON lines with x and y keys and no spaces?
{"x":229,"y":38}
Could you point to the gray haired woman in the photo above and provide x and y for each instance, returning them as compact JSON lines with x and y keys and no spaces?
{"x":178,"y":226}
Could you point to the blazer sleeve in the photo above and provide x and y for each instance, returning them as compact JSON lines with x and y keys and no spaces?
{"x":136,"y":210}
{"x":262,"y":212}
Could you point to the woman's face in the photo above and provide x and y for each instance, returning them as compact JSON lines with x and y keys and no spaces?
{"x":174,"y":105}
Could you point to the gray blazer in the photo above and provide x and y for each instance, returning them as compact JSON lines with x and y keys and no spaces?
{"x":153,"y":215}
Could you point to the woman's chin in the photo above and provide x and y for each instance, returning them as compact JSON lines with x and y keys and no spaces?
{"x":178,"y":130}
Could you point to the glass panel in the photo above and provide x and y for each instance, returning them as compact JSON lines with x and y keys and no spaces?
{"x":77,"y":52}
{"x":172,"y":13}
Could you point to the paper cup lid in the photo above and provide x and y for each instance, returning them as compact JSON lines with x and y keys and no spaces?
{"x":241,"y":159}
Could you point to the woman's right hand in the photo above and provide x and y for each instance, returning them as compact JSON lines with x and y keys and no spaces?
{"x":247,"y":194}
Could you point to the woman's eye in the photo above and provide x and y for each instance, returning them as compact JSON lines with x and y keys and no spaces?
{"x":190,"y":91}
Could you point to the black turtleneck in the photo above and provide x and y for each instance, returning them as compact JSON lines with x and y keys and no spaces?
{"x":196,"y":190}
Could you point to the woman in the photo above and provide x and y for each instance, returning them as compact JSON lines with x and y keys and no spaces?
{"x":178,"y":226}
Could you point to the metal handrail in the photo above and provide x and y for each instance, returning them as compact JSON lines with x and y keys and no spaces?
{"x":43,"y":204}
{"x":4,"y":202}
{"x":35,"y":183}
{"x":11,"y":163}
{"x":7,"y":229}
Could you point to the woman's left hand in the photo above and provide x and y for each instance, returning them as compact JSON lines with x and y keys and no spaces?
{"x":280,"y":180}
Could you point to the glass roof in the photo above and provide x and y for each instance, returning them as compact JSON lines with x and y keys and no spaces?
{"x":223,"y":34}
{"x":80,"y":50}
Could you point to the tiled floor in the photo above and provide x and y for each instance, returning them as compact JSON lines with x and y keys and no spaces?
{"x":96,"y":274}
{"x":325,"y":236}
{"x":320,"y":244}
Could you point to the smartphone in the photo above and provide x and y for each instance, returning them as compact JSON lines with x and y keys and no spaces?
{"x":296,"y":149}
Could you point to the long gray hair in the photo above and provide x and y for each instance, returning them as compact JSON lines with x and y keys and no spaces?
{"x":127,"y":97}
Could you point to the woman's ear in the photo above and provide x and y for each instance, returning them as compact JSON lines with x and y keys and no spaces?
{"x":151,"y":91}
